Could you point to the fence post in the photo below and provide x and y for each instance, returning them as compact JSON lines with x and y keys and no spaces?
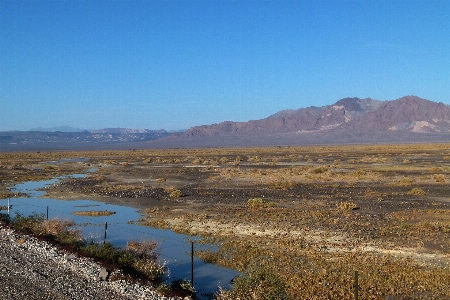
{"x":192,"y":263}
{"x":47,"y":212}
{"x":9,"y":216}
{"x":106,"y":228}
{"x":356,"y":285}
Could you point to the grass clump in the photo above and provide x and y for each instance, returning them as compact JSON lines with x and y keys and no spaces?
{"x":417,"y":191}
{"x":255,"y":203}
{"x":319,"y":170}
{"x":94,"y":213}
{"x":55,"y":229}
{"x":140,"y":256}
{"x":28,"y":223}
{"x":258,"y":283}
{"x":176,"y":194}
{"x":348,"y":205}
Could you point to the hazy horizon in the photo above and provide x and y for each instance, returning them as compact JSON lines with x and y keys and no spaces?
{"x":177,"y":64}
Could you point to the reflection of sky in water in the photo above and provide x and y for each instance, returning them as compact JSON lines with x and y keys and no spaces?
{"x":174,"y":248}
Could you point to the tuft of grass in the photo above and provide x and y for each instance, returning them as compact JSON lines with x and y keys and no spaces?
{"x":176,"y":194}
{"x":256,"y":283}
{"x":94,"y":213}
{"x":28,"y":223}
{"x":319,"y":170}
{"x":417,"y":191}
{"x":255,"y":203}
{"x":348,"y":205}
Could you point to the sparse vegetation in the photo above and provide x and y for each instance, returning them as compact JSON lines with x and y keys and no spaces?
{"x":94,"y":213}
{"x":176,"y":194}
{"x":417,"y":191}
{"x":141,"y":256}
{"x":260,"y":203}
{"x":257,"y":283}
{"x":311,"y":238}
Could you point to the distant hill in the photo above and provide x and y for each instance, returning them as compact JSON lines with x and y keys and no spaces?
{"x":409,"y":119}
{"x":349,"y":120}
{"x":95,"y":139}
{"x":59,"y":128}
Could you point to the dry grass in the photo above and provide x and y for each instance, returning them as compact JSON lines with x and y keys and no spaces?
{"x":94,"y":213}
{"x":313,"y":239}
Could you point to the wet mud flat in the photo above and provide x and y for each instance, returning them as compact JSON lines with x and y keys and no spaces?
{"x":324,"y":212}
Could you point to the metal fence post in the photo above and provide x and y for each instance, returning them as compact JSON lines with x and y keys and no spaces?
{"x":192,"y":263}
{"x":106,"y":228}
{"x":356,"y":285}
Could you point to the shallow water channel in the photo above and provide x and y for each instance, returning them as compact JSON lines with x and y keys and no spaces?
{"x":174,"y":249}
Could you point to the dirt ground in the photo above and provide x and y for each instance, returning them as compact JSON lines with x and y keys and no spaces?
{"x":312,"y":214}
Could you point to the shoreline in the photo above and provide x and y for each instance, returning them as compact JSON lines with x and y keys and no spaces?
{"x":36,"y":269}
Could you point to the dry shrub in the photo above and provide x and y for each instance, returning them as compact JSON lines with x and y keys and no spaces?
{"x":61,"y":231}
{"x":94,"y":213}
{"x":405,"y":181}
{"x":145,"y":248}
{"x":440,"y":178}
{"x":255,"y":203}
{"x":146,"y":258}
{"x":176,"y":194}
{"x":319,"y":170}
{"x":258,"y":283}
{"x":347,"y":205}
{"x":56,"y":226}
{"x":416,"y":191}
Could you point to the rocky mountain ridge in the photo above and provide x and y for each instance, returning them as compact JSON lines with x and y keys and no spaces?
{"x":409,"y":113}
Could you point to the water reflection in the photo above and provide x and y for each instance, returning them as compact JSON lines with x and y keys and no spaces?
{"x":174,"y":248}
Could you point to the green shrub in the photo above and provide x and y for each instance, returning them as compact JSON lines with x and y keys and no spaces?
{"x":32,"y":223}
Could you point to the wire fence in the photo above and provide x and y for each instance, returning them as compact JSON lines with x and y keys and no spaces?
{"x":176,"y":250}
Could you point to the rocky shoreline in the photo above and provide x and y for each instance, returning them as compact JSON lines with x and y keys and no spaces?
{"x":35,"y":269}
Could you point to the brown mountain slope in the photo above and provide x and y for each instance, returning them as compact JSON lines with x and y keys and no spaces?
{"x":409,"y":113}
{"x":350,"y":120}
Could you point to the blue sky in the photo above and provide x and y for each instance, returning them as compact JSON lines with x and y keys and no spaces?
{"x":177,"y":64}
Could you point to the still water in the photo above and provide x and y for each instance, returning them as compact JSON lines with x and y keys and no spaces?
{"x":120,"y":228}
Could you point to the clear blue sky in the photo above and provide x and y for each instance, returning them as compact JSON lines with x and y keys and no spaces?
{"x":177,"y":64}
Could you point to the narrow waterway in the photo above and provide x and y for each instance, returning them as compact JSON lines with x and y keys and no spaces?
{"x":121,"y":227}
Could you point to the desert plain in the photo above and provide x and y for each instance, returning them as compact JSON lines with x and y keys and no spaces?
{"x":313,"y":215}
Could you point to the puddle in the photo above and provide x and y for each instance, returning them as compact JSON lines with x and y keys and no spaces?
{"x":174,"y":248}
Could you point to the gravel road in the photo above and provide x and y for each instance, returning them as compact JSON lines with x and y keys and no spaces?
{"x":34,"y":269}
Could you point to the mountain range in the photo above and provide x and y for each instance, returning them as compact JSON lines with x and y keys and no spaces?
{"x":409,"y":119}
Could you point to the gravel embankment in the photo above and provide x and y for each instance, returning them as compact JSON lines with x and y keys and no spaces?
{"x":34,"y":269}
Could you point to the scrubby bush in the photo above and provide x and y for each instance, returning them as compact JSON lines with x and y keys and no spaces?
{"x":416,"y":191}
{"x":347,"y":205}
{"x":259,"y":203}
{"x":32,"y":222}
{"x":176,"y":194}
{"x":182,"y":284}
{"x":62,"y":231}
{"x":259,"y":283}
